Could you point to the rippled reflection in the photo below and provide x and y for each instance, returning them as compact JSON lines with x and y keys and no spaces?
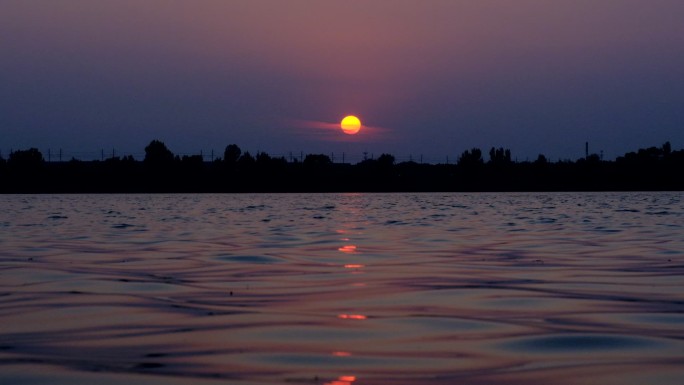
{"x":342,"y":380}
{"x":354,"y":266}
{"x":352,"y":316}
{"x":397,"y":289}
{"x":349,"y":249}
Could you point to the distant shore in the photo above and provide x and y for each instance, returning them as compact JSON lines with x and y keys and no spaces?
{"x":649,"y":169}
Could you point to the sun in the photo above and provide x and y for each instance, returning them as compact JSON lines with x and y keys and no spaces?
{"x":350,"y":125}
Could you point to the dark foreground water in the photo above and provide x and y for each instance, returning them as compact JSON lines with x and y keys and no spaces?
{"x":342,"y":289}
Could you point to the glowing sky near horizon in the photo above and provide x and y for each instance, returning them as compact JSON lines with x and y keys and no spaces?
{"x":439,"y":76}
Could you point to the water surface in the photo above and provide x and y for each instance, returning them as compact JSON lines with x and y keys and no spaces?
{"x":342,"y":289}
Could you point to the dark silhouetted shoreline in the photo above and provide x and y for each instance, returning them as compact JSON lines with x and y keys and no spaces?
{"x":649,"y":169}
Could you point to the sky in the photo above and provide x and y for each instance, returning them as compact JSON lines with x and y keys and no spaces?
{"x":427,"y":78}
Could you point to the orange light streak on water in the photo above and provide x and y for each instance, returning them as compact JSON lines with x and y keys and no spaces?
{"x":349,"y":249}
{"x":352,"y":316}
{"x":354,"y":266}
{"x":342,"y":380}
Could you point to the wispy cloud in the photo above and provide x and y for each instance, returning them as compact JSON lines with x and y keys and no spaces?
{"x":331,"y":131}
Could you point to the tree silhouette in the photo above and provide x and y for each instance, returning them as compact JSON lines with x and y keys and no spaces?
{"x":192,"y":160}
{"x":499,"y":156}
{"x":30,"y":157}
{"x":246,"y":161}
{"x":651,"y":168}
{"x":471,"y":158}
{"x":386,"y":160}
{"x":263,"y":159}
{"x":27,"y":169}
{"x":541,"y":160}
{"x":232,"y":154}
{"x":317,"y":161}
{"x":156,"y":153}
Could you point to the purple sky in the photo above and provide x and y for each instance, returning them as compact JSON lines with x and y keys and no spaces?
{"x":427,"y":76}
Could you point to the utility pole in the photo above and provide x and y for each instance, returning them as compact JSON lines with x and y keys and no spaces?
{"x":102,"y":154}
{"x":49,"y":156}
{"x":586,"y":150}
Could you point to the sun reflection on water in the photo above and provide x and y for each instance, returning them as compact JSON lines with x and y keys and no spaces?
{"x":349,"y":249}
{"x":352,"y":316}
{"x":354,"y":266}
{"x":342,"y":380}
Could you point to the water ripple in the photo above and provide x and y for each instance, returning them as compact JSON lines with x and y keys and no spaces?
{"x":353,"y":289}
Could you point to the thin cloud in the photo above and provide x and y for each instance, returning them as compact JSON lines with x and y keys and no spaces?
{"x":331,"y":131}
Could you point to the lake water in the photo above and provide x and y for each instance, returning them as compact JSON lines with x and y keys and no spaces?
{"x":342,"y":289}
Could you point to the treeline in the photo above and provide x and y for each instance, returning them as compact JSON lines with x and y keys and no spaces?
{"x":25,"y":171}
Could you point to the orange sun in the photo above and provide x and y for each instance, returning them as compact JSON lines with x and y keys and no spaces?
{"x":350,"y":125}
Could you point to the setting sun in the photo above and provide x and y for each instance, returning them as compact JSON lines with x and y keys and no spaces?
{"x":350,"y":125}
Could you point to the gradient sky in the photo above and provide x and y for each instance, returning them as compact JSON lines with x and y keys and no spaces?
{"x":431,"y":77}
